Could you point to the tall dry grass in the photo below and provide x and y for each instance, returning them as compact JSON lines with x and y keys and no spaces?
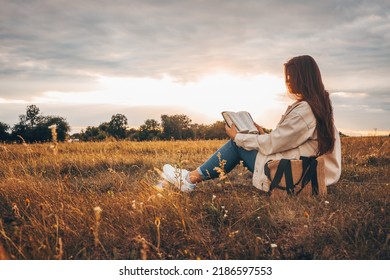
{"x":97,"y":201}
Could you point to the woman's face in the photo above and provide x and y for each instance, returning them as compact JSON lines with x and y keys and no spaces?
{"x":291,"y":88}
{"x":288,"y":83}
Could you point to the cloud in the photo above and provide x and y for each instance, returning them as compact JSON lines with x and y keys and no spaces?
{"x":186,"y":39}
{"x":62,"y":46}
{"x":362,"y":110}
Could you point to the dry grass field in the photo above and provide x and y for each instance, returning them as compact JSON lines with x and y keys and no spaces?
{"x":97,"y":201}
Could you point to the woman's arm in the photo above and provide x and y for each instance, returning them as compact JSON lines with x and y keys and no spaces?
{"x":297,"y":127}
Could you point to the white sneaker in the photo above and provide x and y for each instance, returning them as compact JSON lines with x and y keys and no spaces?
{"x":177,"y":177}
{"x":161,"y":185}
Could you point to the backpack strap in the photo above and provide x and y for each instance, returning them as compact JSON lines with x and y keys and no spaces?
{"x":284,"y":167}
{"x":309,"y":173}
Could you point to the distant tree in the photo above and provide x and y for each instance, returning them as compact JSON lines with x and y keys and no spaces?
{"x":20,"y":129}
{"x":104,"y":127}
{"x":93,"y":133}
{"x":62,"y":129}
{"x":213,"y":131}
{"x":199,"y":130}
{"x":32,"y":115}
{"x":117,"y":126}
{"x":216,"y":131}
{"x":150,"y":130}
{"x":187,"y":133}
{"x":4,"y":132}
{"x":133,"y":134}
{"x":176,"y":127}
{"x":76,"y":135}
{"x":33,"y":127}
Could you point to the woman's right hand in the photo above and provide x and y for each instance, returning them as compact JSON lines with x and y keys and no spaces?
{"x":231,"y":131}
{"x":259,"y":128}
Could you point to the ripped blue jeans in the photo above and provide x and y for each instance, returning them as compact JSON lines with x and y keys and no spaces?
{"x":232,"y":154}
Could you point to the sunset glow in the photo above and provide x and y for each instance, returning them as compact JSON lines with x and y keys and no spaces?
{"x":210,"y":90}
{"x":210,"y":95}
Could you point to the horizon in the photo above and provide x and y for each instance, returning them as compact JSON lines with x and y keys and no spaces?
{"x":87,"y":62}
{"x":77,"y":130}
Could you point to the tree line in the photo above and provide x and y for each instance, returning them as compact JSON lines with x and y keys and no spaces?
{"x":35,"y":127}
{"x":171,"y":127}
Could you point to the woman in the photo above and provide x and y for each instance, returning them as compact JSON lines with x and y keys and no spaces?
{"x":306,"y":129}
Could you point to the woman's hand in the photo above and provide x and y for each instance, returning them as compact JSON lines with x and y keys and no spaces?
{"x":259,"y":128}
{"x":231,"y":131}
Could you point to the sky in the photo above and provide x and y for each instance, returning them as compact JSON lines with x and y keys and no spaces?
{"x":90,"y":59}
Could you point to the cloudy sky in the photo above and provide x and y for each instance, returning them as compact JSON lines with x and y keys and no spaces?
{"x":87,"y":60}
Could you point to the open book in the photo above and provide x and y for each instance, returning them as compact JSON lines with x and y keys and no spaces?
{"x":242,"y":120}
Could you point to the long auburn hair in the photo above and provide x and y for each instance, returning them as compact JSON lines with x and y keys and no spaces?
{"x":303,"y":80}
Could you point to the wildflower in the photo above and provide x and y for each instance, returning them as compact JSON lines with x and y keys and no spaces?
{"x":157,"y":221}
{"x":233,"y":233}
{"x":223,"y":177}
{"x":221,"y":168}
{"x":15,"y":209}
{"x":27,"y":202}
{"x":273,"y":249}
{"x":97,"y":211}
{"x":110,"y":193}
{"x":326,"y":202}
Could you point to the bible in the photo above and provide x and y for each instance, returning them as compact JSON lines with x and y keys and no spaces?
{"x":242,"y":120}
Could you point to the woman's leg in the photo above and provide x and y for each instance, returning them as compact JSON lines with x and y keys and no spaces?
{"x":231,"y":154}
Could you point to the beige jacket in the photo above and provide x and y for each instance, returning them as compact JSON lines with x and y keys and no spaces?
{"x":294,"y":136}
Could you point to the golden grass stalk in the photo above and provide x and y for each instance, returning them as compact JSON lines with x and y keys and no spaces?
{"x":97,"y":210}
{"x":60,"y":249}
{"x":3,"y":253}
{"x":157,"y":222}
{"x":53,"y":147}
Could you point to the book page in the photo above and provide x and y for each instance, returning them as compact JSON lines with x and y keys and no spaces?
{"x":228,"y":120}
{"x":243,"y":121}
{"x":247,"y":121}
{"x":239,"y":122}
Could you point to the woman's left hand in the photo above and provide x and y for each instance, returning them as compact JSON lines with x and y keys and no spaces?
{"x":231,"y":131}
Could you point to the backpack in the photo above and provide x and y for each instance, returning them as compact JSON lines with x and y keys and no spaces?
{"x":303,"y":177}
